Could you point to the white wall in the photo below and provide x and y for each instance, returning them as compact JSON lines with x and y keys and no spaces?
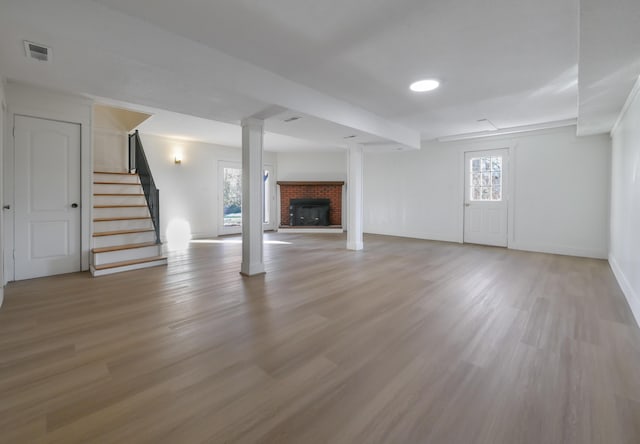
{"x":559,"y":202}
{"x":325,"y":165}
{"x":189,"y":191}
{"x":624,"y":255}
{"x":110,"y":141}
{"x":43,"y":103}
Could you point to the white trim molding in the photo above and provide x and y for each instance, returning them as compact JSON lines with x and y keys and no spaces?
{"x":632,"y":96}
{"x":633,"y":299}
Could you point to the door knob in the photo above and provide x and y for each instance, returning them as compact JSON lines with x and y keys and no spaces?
{"x":467,"y":204}
{"x":7,"y":207}
{"x":74,"y":205}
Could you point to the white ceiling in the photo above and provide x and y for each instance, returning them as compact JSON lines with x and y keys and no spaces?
{"x":609,"y":61}
{"x":344,"y":66}
{"x":513,"y":62}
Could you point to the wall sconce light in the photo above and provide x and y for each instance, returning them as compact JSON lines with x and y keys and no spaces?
{"x":177,"y":159}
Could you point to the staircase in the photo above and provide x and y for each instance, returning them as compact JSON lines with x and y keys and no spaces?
{"x":124,"y":237}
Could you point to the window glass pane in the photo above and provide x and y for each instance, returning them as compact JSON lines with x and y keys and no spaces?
{"x":496,"y":193}
{"x":232,"y":197}
{"x":496,"y":178}
{"x":486,"y":178}
{"x":265,"y":202}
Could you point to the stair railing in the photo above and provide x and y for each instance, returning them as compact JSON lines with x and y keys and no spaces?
{"x":138,"y":164}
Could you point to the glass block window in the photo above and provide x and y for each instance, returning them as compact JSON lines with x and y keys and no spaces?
{"x":486,"y":179}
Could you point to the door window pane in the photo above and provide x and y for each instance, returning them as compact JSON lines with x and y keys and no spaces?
{"x":486,"y":185}
{"x":266,"y":198}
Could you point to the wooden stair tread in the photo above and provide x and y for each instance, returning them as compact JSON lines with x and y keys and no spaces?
{"x":113,"y":219}
{"x":115,"y":172}
{"x":120,"y":206}
{"x":119,"y":194}
{"x":131,"y":262}
{"x":123,"y":247}
{"x":114,"y":233}
{"x":116,"y":183}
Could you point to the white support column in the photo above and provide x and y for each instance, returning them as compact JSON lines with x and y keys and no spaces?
{"x":354,"y":196}
{"x":252,"y":192}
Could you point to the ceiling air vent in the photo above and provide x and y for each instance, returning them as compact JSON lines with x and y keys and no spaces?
{"x":292,"y":119}
{"x":37,"y":52}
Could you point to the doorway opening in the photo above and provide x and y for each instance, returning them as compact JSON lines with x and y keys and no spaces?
{"x":230,"y":198}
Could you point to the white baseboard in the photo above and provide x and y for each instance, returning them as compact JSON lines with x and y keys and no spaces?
{"x":424,"y":236}
{"x":558,"y":249}
{"x":632,"y":297}
{"x":310,"y":230}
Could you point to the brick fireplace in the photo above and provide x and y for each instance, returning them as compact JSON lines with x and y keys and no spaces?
{"x":311,"y":190}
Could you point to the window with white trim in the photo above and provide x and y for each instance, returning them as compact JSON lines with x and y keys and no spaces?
{"x":486,"y":178}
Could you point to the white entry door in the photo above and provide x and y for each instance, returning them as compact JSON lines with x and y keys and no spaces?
{"x":485,"y":203}
{"x":47,"y":197}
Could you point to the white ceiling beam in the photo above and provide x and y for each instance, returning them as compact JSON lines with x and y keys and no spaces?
{"x":153,"y":67}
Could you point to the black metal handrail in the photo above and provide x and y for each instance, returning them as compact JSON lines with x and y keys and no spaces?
{"x":138,"y":164}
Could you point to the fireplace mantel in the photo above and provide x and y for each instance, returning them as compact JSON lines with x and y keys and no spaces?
{"x":309,"y":182}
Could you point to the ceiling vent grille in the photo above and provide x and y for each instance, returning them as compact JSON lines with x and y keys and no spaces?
{"x":37,"y":52}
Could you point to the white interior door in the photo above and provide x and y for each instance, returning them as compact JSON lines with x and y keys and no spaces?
{"x":47,"y":197}
{"x":485,"y":203}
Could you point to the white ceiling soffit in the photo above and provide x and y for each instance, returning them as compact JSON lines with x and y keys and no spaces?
{"x":103,"y":52}
{"x":182,"y":127}
{"x":188,"y":128}
{"x":284,"y":130}
{"x":512,"y":62}
{"x":609,"y":61}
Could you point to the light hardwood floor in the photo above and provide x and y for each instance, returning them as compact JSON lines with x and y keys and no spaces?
{"x":407,"y":342}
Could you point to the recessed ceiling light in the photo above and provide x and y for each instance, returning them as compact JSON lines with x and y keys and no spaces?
{"x":424,"y":85}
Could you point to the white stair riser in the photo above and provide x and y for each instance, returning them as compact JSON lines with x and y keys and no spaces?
{"x":119,"y":200}
{"x":119,"y":189}
{"x":118,"y":225}
{"x":123,"y":239}
{"x":126,"y":255}
{"x":95,"y":272}
{"x":122,"y":178}
{"x":121,"y":212}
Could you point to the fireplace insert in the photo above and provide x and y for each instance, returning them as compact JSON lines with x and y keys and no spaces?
{"x":309,"y":212}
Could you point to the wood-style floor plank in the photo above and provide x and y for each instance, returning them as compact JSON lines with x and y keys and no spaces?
{"x":409,"y":341}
